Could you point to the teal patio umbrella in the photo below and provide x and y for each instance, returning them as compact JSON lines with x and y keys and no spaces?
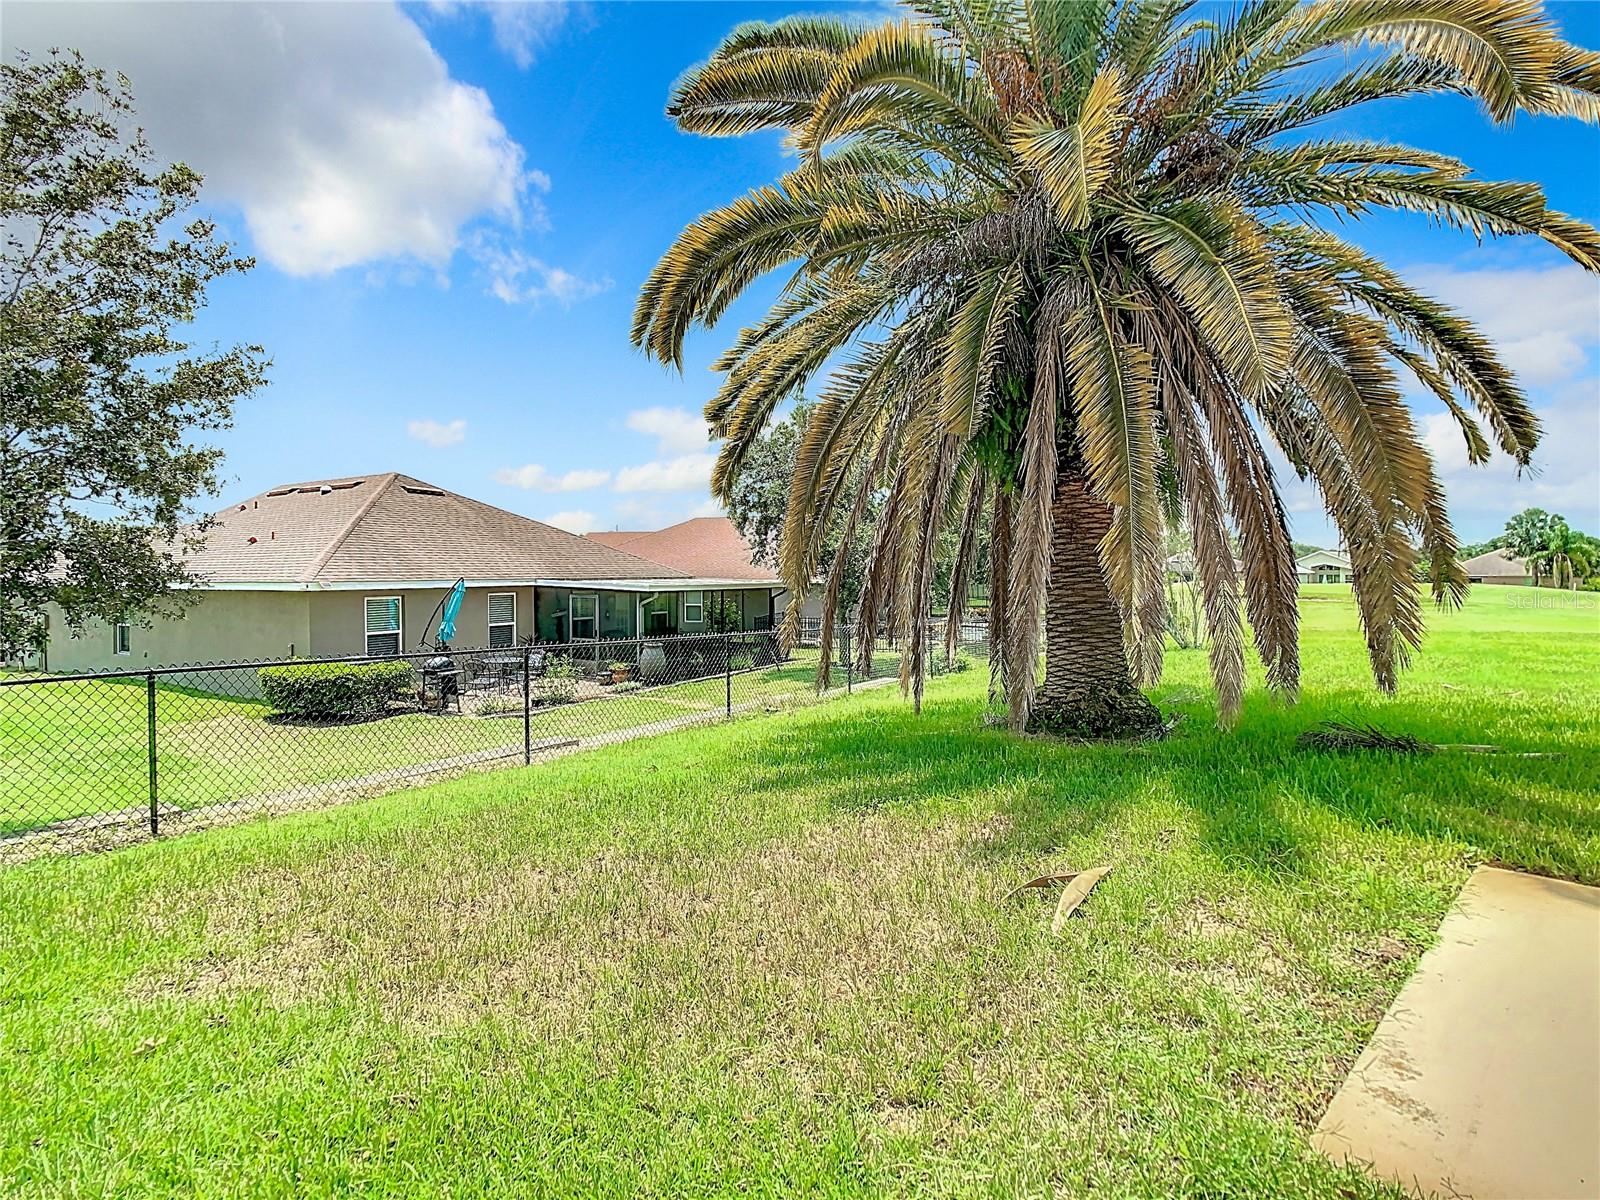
{"x":447,"y":614}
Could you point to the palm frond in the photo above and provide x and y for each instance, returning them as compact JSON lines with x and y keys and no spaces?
{"x":1433,"y":379}
{"x":975,"y":346}
{"x":763,"y":76}
{"x":1029,"y":553}
{"x":1073,"y":163}
{"x":1505,"y":51}
{"x":1215,"y":260}
{"x":902,"y":75}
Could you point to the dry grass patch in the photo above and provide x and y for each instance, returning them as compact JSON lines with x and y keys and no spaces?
{"x":769,"y":955}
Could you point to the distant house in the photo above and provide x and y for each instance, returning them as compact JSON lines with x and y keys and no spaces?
{"x":1324,"y":566}
{"x":1497,"y":567}
{"x":706,"y":547}
{"x":358,"y":566}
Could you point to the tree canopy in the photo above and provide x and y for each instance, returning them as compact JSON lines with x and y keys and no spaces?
{"x":100,"y":399}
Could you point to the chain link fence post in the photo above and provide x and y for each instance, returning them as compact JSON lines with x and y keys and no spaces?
{"x":527,"y":705}
{"x":150,"y":749}
{"x":849,"y":663}
{"x":727,"y":674}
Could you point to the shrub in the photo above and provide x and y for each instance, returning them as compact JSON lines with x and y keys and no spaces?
{"x":495,"y":704}
{"x":629,"y":685}
{"x":335,"y":691}
{"x":939,"y":665}
{"x":558,"y":684}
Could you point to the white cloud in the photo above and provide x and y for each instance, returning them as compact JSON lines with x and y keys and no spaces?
{"x":679,"y":474}
{"x":335,"y":129}
{"x":676,"y":430}
{"x":1565,"y":476}
{"x":535,"y":478}
{"x":516,"y":277}
{"x":682,"y":462}
{"x":521,"y":27}
{"x":1544,"y":321}
{"x":435,"y":434}
{"x":574,"y":521}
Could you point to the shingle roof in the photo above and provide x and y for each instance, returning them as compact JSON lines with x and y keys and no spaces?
{"x":393,"y":528}
{"x":1494,"y":563}
{"x":705,"y":547}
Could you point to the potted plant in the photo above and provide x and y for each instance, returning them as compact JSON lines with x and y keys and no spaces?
{"x":620,"y":671}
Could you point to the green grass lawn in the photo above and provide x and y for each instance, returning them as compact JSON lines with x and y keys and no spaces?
{"x":772,"y":957}
{"x":80,"y":747}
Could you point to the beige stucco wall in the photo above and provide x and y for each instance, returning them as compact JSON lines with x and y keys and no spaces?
{"x":224,"y":626}
{"x":338,"y":619}
{"x":218,"y":627}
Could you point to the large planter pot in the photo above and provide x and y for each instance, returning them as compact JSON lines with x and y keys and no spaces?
{"x":652,"y":662}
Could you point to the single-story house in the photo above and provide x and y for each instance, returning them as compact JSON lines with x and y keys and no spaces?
{"x":359,"y":566}
{"x":1324,"y":566}
{"x":1497,"y":567}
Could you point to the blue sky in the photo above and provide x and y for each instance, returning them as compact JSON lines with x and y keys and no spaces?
{"x":453,"y":207}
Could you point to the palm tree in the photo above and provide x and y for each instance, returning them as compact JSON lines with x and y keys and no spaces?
{"x":1067,"y":262}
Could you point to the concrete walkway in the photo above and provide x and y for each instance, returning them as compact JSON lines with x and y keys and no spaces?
{"x":1483,"y":1078}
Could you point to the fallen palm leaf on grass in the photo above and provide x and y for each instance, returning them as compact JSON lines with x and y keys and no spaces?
{"x":1076,"y":889}
{"x":1338,"y":735}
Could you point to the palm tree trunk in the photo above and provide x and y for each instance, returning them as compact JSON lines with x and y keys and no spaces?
{"x":1087,"y":690}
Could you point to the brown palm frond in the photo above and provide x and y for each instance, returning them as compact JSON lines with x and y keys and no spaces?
{"x":901,"y":75}
{"x":1215,"y":260}
{"x":1505,"y":51}
{"x":1431,"y":378}
{"x":977,"y":492}
{"x":1213,"y":556}
{"x":1000,"y":622}
{"x":1271,"y":588}
{"x":975,"y":346}
{"x":1464,"y":355}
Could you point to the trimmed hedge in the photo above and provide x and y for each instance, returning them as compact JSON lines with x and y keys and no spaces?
{"x":335,"y":691}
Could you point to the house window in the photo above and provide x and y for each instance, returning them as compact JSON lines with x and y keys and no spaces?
{"x":383,"y":624}
{"x":502,"y":619}
{"x":585,"y":617}
{"x":122,"y":638}
{"x":694,"y":608}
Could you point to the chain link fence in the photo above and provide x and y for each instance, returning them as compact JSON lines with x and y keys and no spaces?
{"x":97,"y":760}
